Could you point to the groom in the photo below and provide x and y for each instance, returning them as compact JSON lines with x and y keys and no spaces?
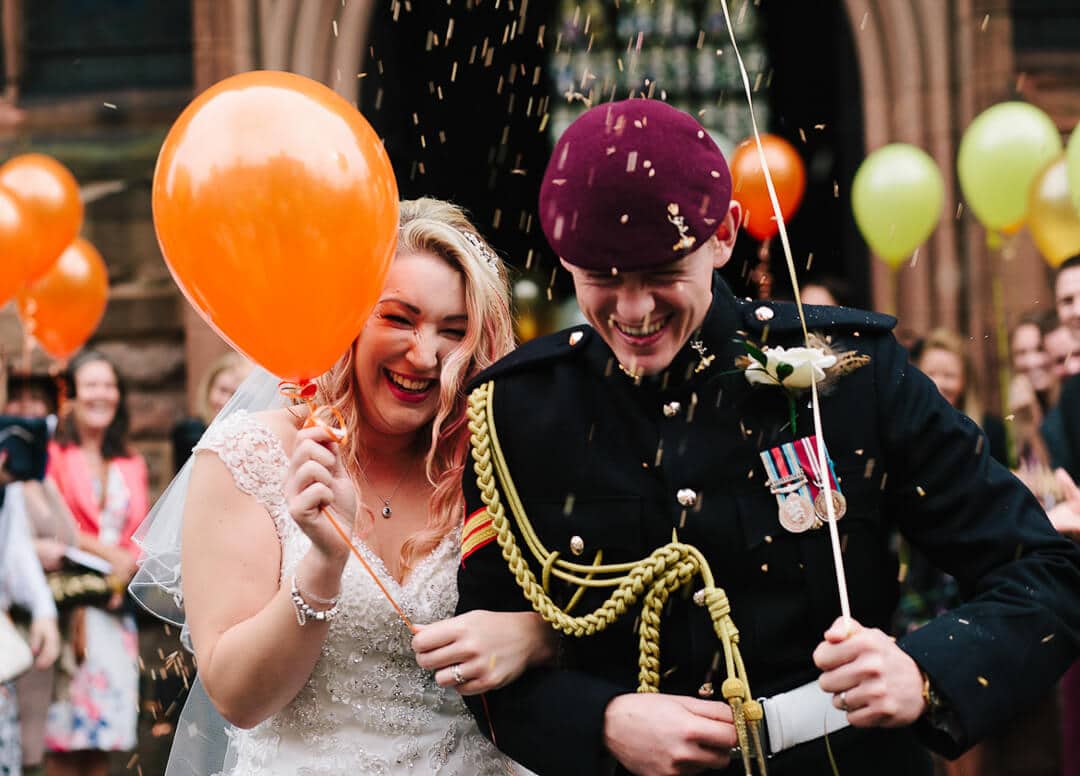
{"x":653,"y":425}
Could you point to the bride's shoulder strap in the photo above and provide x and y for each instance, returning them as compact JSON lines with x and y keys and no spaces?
{"x":252,"y":453}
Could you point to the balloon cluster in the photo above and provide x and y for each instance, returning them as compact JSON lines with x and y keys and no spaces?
{"x":58,"y":279}
{"x":1012,"y":172}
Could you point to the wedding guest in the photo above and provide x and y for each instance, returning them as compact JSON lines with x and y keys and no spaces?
{"x":217,"y":385}
{"x":103,"y":481}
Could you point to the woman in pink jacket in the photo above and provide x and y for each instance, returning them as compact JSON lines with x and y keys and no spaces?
{"x":104,"y":484}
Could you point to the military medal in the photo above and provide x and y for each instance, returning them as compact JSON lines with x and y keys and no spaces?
{"x":787,"y":481}
{"x":797,"y":514}
{"x":807,"y":453}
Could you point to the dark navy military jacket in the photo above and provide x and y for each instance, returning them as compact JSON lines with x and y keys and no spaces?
{"x":599,"y":463}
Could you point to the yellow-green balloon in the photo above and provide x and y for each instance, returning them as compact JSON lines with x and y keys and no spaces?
{"x":1072,"y":162}
{"x":1002,"y":151}
{"x":897,"y":196}
{"x":1053,"y":220}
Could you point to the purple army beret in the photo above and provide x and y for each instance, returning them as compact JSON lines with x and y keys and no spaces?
{"x":633,"y":185}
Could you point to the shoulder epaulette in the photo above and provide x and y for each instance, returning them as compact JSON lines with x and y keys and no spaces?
{"x":783,"y":318}
{"x":552,"y":347}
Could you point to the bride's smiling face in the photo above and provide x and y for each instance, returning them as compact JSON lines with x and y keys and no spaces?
{"x":420,"y":318}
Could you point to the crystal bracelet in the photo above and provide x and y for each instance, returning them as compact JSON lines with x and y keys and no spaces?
{"x":305,"y":612}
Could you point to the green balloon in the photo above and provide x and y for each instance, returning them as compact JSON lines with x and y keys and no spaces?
{"x":1002,"y":151}
{"x":897,"y":196}
{"x":1072,"y":165}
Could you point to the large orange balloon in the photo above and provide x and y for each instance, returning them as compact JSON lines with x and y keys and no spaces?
{"x":276,"y":209}
{"x":49,"y":195}
{"x":62,"y":309}
{"x":748,"y":183}
{"x":18,"y":239}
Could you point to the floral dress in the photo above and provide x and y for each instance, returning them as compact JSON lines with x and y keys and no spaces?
{"x":96,"y":704}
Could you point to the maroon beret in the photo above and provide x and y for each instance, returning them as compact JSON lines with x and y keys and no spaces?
{"x":633,"y":185}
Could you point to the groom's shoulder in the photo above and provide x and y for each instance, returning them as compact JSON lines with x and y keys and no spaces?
{"x":539,"y":353}
{"x":783,"y":317}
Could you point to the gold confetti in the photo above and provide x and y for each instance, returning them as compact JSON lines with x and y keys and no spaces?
{"x":985,"y":23}
{"x":919,"y":490}
{"x":109,"y":105}
{"x":983,"y":681}
{"x":1047,"y":638}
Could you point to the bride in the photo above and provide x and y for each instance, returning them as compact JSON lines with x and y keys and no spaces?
{"x":297,"y":646}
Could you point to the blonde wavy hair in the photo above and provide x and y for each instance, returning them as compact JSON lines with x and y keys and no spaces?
{"x":226,"y":362}
{"x":441,"y":229}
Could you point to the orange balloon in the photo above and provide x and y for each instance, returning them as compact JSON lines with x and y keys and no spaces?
{"x":49,"y":194}
{"x":18,"y":239}
{"x":62,"y":309}
{"x":276,"y":209}
{"x":748,"y":183}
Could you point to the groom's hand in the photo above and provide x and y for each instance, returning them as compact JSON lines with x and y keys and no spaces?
{"x":668,"y":735}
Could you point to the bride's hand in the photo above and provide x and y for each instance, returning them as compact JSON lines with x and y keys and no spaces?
{"x":317,"y":479}
{"x":486,"y":649}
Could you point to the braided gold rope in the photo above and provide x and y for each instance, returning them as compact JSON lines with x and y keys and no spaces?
{"x":669,"y":568}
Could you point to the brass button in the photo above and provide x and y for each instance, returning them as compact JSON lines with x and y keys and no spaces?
{"x":577,"y":545}
{"x":706,"y":690}
{"x":686,"y":497}
{"x":764,"y":313}
{"x":671,"y":409}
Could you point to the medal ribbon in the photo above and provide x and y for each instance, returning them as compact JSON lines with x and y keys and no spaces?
{"x":806,"y":454}
{"x":794,"y":465}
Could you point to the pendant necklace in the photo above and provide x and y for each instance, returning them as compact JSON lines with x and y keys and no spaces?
{"x":387,"y":511}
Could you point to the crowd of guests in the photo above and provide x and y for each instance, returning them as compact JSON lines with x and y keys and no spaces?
{"x":80,"y":700}
{"x":67,"y":558}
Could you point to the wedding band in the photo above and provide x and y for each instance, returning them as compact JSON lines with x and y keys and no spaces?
{"x":843,"y":702}
{"x":455,"y":671}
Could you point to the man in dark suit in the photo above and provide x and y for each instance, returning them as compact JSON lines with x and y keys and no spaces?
{"x":664,"y":452}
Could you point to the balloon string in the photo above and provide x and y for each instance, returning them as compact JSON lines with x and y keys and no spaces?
{"x":304,"y":391}
{"x":834,"y":534}
{"x":374,"y":577}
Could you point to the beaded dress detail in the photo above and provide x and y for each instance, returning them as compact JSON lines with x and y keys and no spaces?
{"x":367,"y":708}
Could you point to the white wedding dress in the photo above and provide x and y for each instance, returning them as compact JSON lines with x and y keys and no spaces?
{"x":367,"y":707}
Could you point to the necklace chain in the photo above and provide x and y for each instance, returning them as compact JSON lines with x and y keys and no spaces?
{"x":387,"y":510}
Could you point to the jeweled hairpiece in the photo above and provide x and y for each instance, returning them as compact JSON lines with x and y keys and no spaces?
{"x":484,"y":249}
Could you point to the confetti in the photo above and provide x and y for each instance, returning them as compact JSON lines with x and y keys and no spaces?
{"x":983,"y":681}
{"x":109,"y":105}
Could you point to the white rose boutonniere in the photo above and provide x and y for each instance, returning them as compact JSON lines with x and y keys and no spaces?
{"x":796,"y":369}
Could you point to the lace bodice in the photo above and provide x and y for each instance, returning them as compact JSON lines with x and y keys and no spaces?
{"x":367,"y":708}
